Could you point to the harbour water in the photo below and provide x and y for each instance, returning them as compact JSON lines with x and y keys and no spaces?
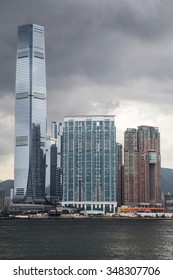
{"x":86,"y":239}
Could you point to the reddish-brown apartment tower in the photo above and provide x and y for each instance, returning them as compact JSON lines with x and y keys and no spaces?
{"x":142,"y":181}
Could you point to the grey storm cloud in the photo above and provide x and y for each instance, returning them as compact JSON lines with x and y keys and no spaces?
{"x":98,"y":53}
{"x":98,"y":40}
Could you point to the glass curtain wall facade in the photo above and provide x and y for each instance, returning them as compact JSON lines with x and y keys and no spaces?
{"x":30,"y":116}
{"x":89,"y":163}
{"x":54,"y":164}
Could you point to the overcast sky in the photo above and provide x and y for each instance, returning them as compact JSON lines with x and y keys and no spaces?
{"x":102,"y":57}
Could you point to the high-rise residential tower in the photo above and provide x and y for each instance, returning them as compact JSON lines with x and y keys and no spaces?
{"x":30,"y":116}
{"x":131,"y":168}
{"x":89,"y":163}
{"x":142,"y":165}
{"x":150,"y":165}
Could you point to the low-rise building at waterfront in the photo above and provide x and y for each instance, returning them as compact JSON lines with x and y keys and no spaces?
{"x":2,"y":199}
{"x":168,"y":202}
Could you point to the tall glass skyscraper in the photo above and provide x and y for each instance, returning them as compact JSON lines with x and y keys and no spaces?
{"x":30,"y":116}
{"x":89,"y":163}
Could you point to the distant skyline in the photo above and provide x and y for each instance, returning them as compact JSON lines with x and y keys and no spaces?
{"x":102,"y":57}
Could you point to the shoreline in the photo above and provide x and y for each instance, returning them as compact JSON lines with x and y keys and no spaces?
{"x":66,"y":216}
